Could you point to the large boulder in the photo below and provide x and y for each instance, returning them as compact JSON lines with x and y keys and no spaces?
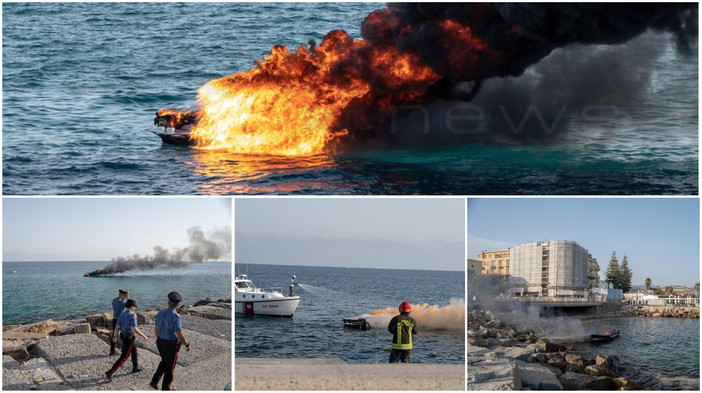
{"x":623,"y":383}
{"x":47,"y":327}
{"x":490,"y":376}
{"x":598,"y":371}
{"x":537,"y":377}
{"x":203,"y":302}
{"x":575,"y":381}
{"x":558,"y":363}
{"x":108,"y":320}
{"x":516,"y":353}
{"x":146,"y":317}
{"x":576,"y":360}
{"x":68,"y":327}
{"x":81,"y":328}
{"x":103,"y":334}
{"x":610,"y":362}
{"x":15,"y":349}
{"x":223,"y":314}
{"x":546,"y":346}
{"x":96,"y":321}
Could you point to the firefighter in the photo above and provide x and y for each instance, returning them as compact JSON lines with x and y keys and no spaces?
{"x":169,"y":333}
{"x":402,"y":328}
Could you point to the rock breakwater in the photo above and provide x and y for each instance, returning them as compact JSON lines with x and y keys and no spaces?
{"x":657,"y":311}
{"x":73,"y":355}
{"x":505,"y":357}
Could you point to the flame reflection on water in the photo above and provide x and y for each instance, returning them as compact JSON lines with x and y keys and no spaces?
{"x":223,"y":172}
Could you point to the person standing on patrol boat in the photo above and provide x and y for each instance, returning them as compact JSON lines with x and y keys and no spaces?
{"x":292,"y":285}
{"x":127,"y":323}
{"x":169,"y":333}
{"x":117,"y":308}
{"x":402,"y":328}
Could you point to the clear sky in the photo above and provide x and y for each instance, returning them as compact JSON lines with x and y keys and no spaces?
{"x":660,"y":236}
{"x":98,"y":229}
{"x":399,"y":233}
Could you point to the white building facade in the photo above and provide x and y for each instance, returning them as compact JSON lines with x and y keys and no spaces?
{"x":555,"y":268}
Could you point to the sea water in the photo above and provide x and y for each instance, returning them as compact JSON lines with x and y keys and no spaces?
{"x":58,"y":290}
{"x":658,"y":353}
{"x":330,"y":294}
{"x":82,"y":81}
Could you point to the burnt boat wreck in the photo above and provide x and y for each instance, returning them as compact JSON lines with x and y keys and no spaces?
{"x":603,"y":338}
{"x":358,"y":323}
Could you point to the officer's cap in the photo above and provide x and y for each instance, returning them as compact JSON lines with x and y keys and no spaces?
{"x":130,"y":303}
{"x":175,"y":297}
{"x":123,"y":292}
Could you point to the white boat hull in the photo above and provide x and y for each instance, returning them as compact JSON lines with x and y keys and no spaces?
{"x":281,"y":307}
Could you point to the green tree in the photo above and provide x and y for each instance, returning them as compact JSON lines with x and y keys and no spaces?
{"x":669,"y":290}
{"x":648,"y":283}
{"x":612,"y":274}
{"x":697,"y":289}
{"x":625,"y":276}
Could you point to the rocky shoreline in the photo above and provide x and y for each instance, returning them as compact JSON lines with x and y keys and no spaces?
{"x":71,"y":355}
{"x":656,"y":311}
{"x":504,"y":357}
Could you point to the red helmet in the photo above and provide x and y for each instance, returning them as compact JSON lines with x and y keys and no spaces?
{"x":405,"y":307}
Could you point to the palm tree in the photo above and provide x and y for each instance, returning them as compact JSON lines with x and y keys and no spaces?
{"x":669,"y":289}
{"x":648,"y":283}
{"x":697,"y":289}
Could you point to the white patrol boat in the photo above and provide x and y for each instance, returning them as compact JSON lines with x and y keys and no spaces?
{"x":262,"y":301}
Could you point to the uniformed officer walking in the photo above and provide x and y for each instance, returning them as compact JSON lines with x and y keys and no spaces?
{"x":127,"y":323}
{"x":169,"y":333}
{"x":117,"y":308}
{"x":402,"y":327}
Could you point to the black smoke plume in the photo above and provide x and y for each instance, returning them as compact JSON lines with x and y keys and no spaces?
{"x":215,"y":245}
{"x":471,"y":44}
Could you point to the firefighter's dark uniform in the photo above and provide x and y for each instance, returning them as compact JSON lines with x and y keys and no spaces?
{"x":402,"y":328}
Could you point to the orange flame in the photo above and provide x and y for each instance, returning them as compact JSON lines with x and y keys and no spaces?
{"x":290,"y":103}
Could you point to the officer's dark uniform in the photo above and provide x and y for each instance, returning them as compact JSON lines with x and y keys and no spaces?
{"x":402,"y":327}
{"x":127,"y":322}
{"x":117,"y":308}
{"x":168,"y":322}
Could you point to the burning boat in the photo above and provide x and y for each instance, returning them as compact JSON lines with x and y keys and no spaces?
{"x":262,"y":301}
{"x":179,"y":123}
{"x":95,"y":273}
{"x":357,"y":323}
{"x":603,"y":338}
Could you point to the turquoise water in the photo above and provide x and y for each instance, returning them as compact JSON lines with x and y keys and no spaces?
{"x":660,"y":353}
{"x":328,"y":295}
{"x":58,"y":290}
{"x":81,"y":83}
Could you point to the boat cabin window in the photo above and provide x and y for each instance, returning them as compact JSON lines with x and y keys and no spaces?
{"x":245,"y":284}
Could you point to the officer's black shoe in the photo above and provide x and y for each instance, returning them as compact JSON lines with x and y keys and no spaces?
{"x":112,"y":353}
{"x":136,"y":370}
{"x":154,"y":385}
{"x":108,"y":375}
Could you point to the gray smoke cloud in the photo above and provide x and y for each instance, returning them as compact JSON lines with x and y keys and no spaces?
{"x":215,"y":245}
{"x":491,"y":293}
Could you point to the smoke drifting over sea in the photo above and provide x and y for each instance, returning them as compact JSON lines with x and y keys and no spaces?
{"x":215,"y":245}
{"x":428,"y":317}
